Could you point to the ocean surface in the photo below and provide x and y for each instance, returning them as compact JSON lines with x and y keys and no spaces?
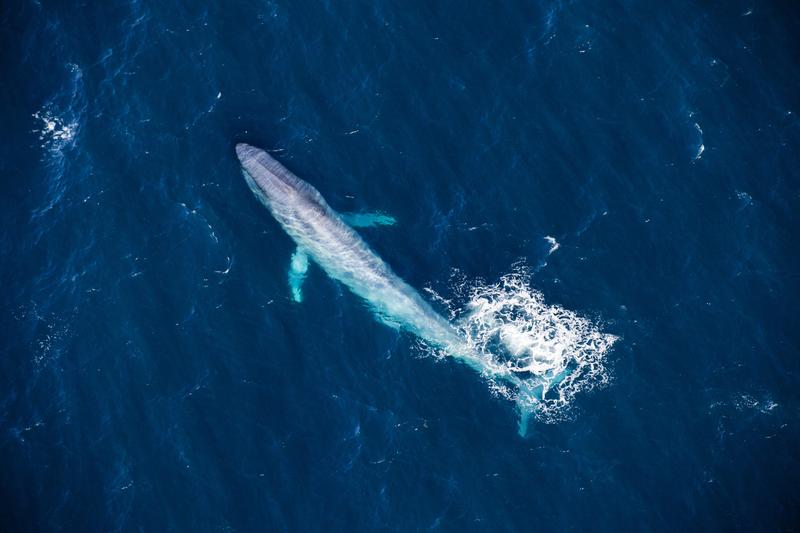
{"x":608,"y":188}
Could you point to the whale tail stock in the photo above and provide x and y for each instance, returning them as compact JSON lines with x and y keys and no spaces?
{"x":527,"y":397}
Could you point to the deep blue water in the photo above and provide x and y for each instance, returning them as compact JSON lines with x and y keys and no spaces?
{"x":155,"y":375}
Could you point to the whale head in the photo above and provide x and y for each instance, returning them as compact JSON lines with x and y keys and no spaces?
{"x":280,"y":190}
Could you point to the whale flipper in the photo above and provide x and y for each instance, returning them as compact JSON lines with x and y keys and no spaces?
{"x":298,"y":267}
{"x":297,"y":274}
{"x":366,"y":220}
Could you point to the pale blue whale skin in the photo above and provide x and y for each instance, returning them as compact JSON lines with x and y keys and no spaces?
{"x":322,"y":235}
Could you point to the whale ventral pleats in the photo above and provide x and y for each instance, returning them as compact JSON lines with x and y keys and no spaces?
{"x":265,"y":169}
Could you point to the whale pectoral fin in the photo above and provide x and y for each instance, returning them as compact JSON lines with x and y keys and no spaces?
{"x":367,"y":220}
{"x":297,"y":274}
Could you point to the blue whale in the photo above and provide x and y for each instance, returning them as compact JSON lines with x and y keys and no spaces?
{"x":323,"y":236}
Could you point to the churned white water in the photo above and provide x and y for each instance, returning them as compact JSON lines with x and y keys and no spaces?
{"x":556,"y":353}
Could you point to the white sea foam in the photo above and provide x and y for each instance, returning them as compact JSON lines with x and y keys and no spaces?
{"x":554,"y":245}
{"x":58,"y":121}
{"x":557,"y":353}
{"x":744,"y":197}
{"x":54,"y":132}
{"x":57,"y":131}
{"x":700,"y":150}
{"x":702,"y":147}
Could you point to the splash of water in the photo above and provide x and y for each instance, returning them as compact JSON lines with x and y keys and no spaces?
{"x":556,"y":353}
